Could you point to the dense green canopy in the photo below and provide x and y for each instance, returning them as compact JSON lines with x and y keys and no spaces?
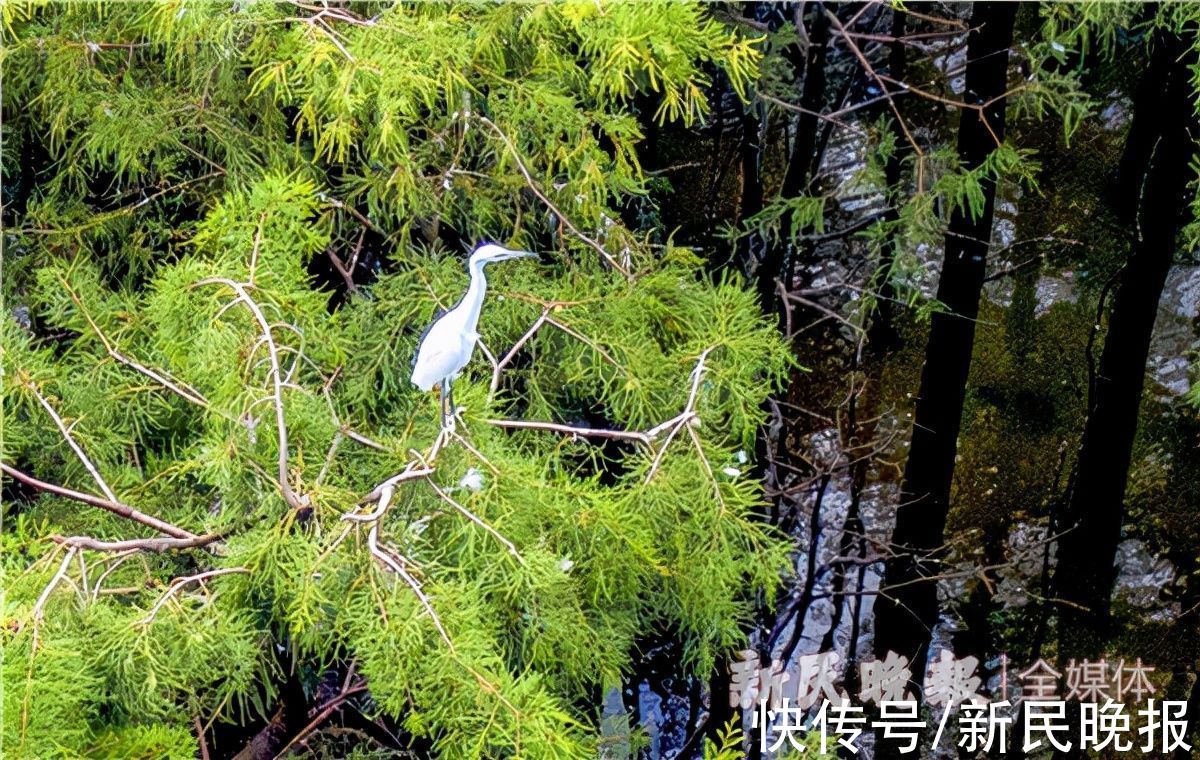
{"x":176,"y":176}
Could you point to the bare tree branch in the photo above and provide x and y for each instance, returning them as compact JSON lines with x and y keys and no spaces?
{"x":36,"y":613}
{"x":394,"y":563}
{"x":512,"y":352}
{"x":179,"y":388}
{"x":478,"y":521}
{"x":115,"y":507}
{"x":66,"y":434}
{"x":627,"y":435}
{"x":160,"y":544}
{"x":284,"y":477}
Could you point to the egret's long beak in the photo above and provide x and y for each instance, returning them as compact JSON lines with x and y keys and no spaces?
{"x":521,"y":255}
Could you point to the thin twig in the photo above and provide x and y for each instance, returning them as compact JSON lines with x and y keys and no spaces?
{"x":114,"y":561}
{"x":685,"y":419}
{"x":671,"y":427}
{"x":364,"y":221}
{"x":256,"y":246}
{"x":870,"y":71}
{"x":36,"y":612}
{"x":533,"y":186}
{"x":340,"y":266}
{"x":160,"y":544}
{"x":395,"y":564}
{"x":586,"y":340}
{"x":578,"y":432}
{"x":819,"y":307}
{"x":179,"y":388}
{"x":179,"y":583}
{"x":832,"y":118}
{"x":107,"y":215}
{"x":512,"y":352}
{"x":410,"y":472}
{"x":323,"y":712}
{"x":478,"y":521}
{"x":66,"y":433}
{"x":365,"y":441}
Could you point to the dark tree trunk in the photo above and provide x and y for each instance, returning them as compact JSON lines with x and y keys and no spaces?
{"x":905,"y":616}
{"x":1152,"y":189}
{"x":802,"y":162}
{"x":751,"y":247}
{"x":882,"y":332}
{"x":862,"y":423}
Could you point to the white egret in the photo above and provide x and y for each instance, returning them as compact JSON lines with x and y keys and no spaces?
{"x":447,"y":345}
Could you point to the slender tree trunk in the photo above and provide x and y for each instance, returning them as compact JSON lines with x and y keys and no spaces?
{"x":1153,"y":188}
{"x":802,"y":162}
{"x":880,"y":339}
{"x":906,"y":616}
{"x":752,"y":246}
{"x":882,"y":330}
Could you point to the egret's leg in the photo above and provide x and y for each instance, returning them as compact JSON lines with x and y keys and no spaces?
{"x":448,"y":419}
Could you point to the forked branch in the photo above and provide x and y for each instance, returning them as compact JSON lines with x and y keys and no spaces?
{"x":277,"y":382}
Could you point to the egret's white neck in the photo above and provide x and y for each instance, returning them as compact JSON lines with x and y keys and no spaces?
{"x":473,"y":301}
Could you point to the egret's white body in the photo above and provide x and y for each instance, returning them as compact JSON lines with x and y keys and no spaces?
{"x":448,"y":344}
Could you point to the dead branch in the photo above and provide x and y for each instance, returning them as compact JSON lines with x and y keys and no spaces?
{"x":365,"y":441}
{"x":124,"y":211}
{"x":114,"y":561}
{"x":340,"y":266}
{"x":323,"y":712}
{"x":179,"y":388}
{"x":36,"y":613}
{"x":512,"y":549}
{"x":512,"y":352}
{"x":410,"y":472}
{"x":394,"y":563}
{"x":585,"y":340}
{"x":577,"y":432}
{"x":796,"y":298}
{"x":870,"y":71}
{"x":686,"y":418}
{"x":66,"y":434}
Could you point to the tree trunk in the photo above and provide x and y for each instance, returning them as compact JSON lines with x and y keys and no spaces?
{"x":862,"y":413}
{"x":905,"y":617}
{"x":802,"y":162}
{"x":1152,"y":190}
{"x":882,"y":332}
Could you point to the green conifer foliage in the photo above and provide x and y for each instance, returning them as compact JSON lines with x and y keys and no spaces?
{"x":172,"y":170}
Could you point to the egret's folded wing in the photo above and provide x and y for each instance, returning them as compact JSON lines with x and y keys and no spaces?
{"x":437,"y":357}
{"x":425,"y":334}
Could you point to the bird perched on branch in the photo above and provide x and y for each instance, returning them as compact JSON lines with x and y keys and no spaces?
{"x":448,"y":343}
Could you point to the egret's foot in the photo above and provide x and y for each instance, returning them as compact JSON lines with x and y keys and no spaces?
{"x":449,"y":423}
